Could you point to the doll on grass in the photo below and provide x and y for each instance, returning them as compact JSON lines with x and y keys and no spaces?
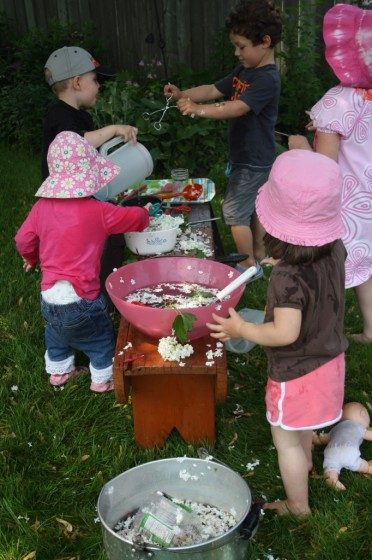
{"x":343,"y":442}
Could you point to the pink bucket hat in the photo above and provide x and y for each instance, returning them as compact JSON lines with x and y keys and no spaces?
{"x":347,"y":32}
{"x":76,"y":169}
{"x":301,"y":201}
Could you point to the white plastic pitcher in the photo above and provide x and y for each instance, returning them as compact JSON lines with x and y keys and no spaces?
{"x":135,"y":164}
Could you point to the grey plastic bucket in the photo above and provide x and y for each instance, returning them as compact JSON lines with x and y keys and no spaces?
{"x":242,"y":345}
{"x":135,"y":164}
{"x":209,"y":482}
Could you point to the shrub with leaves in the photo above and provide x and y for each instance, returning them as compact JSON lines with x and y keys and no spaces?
{"x":24,"y":93}
{"x":305,"y":76}
{"x":180,"y":142}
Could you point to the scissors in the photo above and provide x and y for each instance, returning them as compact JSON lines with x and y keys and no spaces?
{"x":157,"y":124}
{"x":155,"y":210}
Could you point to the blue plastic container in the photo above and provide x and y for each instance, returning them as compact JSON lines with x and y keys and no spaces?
{"x":242,"y":345}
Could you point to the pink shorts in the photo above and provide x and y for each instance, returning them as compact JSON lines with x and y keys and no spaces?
{"x":309,"y":402}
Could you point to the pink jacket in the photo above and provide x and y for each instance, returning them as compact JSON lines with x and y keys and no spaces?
{"x":67,"y":236}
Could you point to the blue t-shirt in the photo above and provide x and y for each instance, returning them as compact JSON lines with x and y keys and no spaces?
{"x":251,"y":136}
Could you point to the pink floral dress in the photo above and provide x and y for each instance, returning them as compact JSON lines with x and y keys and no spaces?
{"x":347,"y":111}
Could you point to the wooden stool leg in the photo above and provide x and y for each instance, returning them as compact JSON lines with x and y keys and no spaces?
{"x":152,"y":424}
{"x":196,"y":400}
{"x":164,"y":402}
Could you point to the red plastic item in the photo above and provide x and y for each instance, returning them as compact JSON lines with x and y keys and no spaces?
{"x":190,"y":192}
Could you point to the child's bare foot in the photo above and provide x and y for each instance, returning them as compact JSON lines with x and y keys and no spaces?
{"x":361,"y":338}
{"x":333,"y":482}
{"x":284,"y":507}
{"x":365,"y":467}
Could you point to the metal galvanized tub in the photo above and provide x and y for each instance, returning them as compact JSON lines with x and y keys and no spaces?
{"x":198,"y":480}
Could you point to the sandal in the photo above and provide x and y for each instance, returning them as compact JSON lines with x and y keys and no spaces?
{"x":62,"y":379}
{"x":102,"y":387}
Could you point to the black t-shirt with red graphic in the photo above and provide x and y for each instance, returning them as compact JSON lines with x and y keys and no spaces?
{"x":251,"y":136}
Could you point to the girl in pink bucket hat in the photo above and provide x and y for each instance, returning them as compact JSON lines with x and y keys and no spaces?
{"x":343,"y":122}
{"x":65,"y":233}
{"x":302,"y":333}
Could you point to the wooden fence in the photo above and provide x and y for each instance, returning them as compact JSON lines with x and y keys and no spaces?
{"x":168,"y":31}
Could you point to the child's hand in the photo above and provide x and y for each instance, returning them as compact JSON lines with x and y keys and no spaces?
{"x":226,"y":328}
{"x":310,"y":126}
{"x":269,"y":261}
{"x":298,"y":142}
{"x":172,"y":90}
{"x":187,"y":107}
{"x":127,"y":132}
{"x":27,"y":265}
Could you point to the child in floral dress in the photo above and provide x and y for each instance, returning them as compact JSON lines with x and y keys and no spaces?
{"x":343,"y":121}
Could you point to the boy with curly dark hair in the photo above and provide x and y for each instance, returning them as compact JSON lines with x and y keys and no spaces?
{"x":252,"y":90}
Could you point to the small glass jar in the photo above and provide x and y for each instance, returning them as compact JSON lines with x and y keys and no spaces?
{"x":180,"y":178}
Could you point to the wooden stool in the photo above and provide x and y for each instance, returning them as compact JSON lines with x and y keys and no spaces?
{"x":164,"y":394}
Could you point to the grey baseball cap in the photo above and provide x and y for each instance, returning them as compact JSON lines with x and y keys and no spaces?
{"x":68,"y":62}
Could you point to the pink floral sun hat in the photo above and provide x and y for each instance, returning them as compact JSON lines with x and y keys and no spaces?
{"x":301,"y":201}
{"x":347,"y":32}
{"x":76,"y":169}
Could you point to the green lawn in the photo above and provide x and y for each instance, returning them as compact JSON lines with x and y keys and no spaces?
{"x":58,"y":447}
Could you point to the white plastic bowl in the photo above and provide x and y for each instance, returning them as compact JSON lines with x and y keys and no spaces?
{"x":151,"y":242}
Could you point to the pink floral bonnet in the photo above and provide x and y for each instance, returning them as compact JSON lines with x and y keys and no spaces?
{"x":347,"y":32}
{"x":76,"y":169}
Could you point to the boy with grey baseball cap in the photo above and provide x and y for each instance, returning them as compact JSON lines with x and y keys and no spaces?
{"x":68,"y":62}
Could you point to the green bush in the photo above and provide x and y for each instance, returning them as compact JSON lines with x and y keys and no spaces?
{"x":305,"y":75}
{"x":24,"y":93}
{"x":180,"y":142}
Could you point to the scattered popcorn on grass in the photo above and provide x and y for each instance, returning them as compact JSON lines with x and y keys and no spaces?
{"x":251,"y":466}
{"x":14,"y":388}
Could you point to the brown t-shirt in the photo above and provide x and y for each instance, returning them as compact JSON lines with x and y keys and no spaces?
{"x":318,"y":290}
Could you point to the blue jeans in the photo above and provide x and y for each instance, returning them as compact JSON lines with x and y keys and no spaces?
{"x":84,"y":325}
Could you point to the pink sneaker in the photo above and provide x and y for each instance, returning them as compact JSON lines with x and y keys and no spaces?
{"x":102,"y":387}
{"x":59,"y":380}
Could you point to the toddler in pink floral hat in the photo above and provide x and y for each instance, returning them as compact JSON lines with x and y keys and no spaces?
{"x":65,"y":233}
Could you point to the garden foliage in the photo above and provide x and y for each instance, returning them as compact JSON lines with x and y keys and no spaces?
{"x":181,"y":141}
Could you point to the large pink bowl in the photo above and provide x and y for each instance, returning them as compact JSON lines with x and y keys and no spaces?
{"x":149,"y":272}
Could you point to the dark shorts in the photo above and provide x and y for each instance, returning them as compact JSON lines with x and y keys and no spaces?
{"x":239,"y":204}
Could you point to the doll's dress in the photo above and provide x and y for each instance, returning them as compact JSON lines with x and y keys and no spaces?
{"x":348,"y":112}
{"x":342,"y":451}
